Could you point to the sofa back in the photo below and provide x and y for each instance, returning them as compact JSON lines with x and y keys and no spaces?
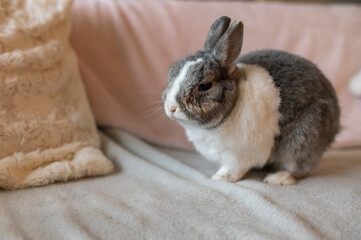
{"x":126,"y":47}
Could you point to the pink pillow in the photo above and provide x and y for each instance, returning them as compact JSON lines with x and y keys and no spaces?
{"x":125,"y":49}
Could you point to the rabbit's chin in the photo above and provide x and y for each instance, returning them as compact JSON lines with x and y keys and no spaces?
{"x":178,"y":116}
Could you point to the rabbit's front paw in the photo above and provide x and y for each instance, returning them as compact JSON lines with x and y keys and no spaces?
{"x":280,"y":178}
{"x":226,"y":174}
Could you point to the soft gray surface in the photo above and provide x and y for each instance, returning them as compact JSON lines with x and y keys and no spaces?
{"x":166,"y":194}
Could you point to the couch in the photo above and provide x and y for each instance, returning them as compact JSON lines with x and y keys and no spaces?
{"x":160,"y":188}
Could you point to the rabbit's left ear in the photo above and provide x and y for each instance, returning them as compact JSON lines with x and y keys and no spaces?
{"x":229,"y":46}
{"x":216,"y":31}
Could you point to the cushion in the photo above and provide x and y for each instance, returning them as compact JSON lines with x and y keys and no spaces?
{"x":126,"y":47}
{"x":47,"y":131}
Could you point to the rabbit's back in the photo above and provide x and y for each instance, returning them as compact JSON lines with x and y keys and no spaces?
{"x":309,"y":109}
{"x":300,"y":82}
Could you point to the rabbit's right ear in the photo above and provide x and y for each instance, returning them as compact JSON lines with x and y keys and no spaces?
{"x":229,"y":46}
{"x":218,"y":28}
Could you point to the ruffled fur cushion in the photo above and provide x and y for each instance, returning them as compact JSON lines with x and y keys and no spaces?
{"x":47,"y":131}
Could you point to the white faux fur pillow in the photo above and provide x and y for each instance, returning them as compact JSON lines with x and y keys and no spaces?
{"x":47,"y":131}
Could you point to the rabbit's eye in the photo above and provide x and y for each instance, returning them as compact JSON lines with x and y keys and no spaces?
{"x":204,"y":86}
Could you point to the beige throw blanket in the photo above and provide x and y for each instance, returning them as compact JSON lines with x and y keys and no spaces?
{"x":162,"y":194}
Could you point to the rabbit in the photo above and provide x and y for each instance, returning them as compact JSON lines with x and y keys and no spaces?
{"x":266,"y":109}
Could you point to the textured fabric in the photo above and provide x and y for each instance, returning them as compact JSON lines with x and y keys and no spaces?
{"x":126,"y":47}
{"x":47,"y":131}
{"x":163,"y":194}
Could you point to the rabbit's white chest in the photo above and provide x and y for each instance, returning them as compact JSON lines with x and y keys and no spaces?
{"x":212,"y":144}
{"x":248,"y":133}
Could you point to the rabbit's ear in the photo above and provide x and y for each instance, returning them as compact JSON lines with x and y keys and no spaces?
{"x":229,"y":46}
{"x":216,"y":31}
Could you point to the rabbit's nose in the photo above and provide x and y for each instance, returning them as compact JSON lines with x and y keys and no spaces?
{"x":173,"y":109}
